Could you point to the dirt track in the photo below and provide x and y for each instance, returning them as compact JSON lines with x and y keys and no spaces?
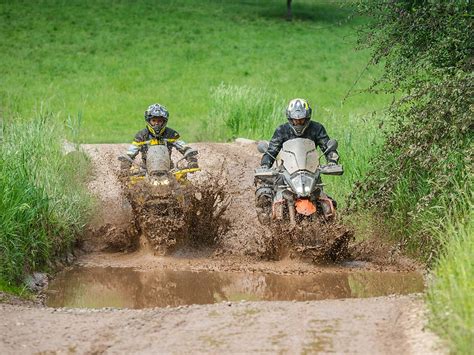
{"x":388,"y":325}
{"x":373,"y":325}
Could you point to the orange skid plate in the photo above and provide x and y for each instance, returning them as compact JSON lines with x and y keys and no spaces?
{"x":305,"y":207}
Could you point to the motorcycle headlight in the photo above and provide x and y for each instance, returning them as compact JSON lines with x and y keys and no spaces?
{"x":302,"y":184}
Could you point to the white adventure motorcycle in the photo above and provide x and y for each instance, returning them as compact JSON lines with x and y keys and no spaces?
{"x":292,"y":190}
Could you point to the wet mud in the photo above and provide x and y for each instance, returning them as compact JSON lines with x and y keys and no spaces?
{"x":318,"y":242}
{"x":178,"y":215}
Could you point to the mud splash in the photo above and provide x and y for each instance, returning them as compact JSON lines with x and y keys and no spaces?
{"x":215,"y":213}
{"x":177,"y":215}
{"x":319,"y":242}
{"x":129,"y":288}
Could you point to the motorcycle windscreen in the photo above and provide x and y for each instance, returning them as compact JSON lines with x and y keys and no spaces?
{"x":299,"y":154}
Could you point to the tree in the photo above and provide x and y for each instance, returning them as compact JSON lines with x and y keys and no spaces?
{"x":288,"y":10}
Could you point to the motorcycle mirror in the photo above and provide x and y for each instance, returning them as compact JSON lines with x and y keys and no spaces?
{"x":262,"y":147}
{"x":330,"y":146}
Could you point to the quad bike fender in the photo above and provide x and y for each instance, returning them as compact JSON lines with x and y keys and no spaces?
{"x":182,"y":174}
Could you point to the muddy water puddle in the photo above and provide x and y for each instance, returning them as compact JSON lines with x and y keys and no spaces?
{"x":96,"y":287}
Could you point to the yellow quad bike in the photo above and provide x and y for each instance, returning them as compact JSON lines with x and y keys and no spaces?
{"x":159,"y":166}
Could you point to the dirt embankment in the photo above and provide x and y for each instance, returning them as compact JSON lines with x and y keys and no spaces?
{"x":374,"y":325}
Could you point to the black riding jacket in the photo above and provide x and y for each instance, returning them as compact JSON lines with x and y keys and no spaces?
{"x":139,"y":143}
{"x":315,"y":131}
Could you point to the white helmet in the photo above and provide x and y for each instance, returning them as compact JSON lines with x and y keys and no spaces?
{"x":298,"y":109}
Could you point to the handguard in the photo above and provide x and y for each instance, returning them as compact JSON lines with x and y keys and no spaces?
{"x":190,"y":152}
{"x":264,"y":173}
{"x":331,"y":169}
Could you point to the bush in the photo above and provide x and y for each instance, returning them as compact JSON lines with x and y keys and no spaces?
{"x":427,"y":50}
{"x":421,"y":181}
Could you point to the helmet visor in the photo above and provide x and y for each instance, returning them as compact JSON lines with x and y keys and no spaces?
{"x":298,"y":114}
{"x":298,"y":121}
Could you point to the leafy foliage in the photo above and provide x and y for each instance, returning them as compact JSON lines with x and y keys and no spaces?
{"x":426,"y":47}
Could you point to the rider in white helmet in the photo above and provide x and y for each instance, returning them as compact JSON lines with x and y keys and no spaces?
{"x":299,"y":125}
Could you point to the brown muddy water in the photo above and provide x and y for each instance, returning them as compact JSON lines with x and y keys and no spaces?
{"x":97,"y":287}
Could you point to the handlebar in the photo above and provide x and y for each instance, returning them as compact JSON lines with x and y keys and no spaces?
{"x":330,"y":169}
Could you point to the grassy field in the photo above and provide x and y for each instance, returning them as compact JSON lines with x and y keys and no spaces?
{"x":224,"y":69}
{"x":106,"y":61}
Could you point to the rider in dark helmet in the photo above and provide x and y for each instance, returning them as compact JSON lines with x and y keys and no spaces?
{"x":299,"y":125}
{"x":156,"y":118}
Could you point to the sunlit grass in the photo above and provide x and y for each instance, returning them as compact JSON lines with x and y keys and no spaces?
{"x":108,"y":62}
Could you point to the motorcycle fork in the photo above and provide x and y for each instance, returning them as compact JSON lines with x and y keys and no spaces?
{"x":328,"y":203}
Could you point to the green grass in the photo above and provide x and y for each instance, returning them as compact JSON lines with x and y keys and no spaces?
{"x":450,"y":296}
{"x":8,"y":288}
{"x":43,"y":204}
{"x":107,"y":61}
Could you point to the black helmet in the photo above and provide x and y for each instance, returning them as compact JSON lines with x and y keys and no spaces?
{"x":298,"y":109}
{"x":156,"y":111}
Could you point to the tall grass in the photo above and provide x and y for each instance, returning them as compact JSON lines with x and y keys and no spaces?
{"x":242,"y":111}
{"x":43,"y":203}
{"x":450,"y":295}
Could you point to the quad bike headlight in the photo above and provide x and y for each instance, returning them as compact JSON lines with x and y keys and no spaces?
{"x":302,"y":184}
